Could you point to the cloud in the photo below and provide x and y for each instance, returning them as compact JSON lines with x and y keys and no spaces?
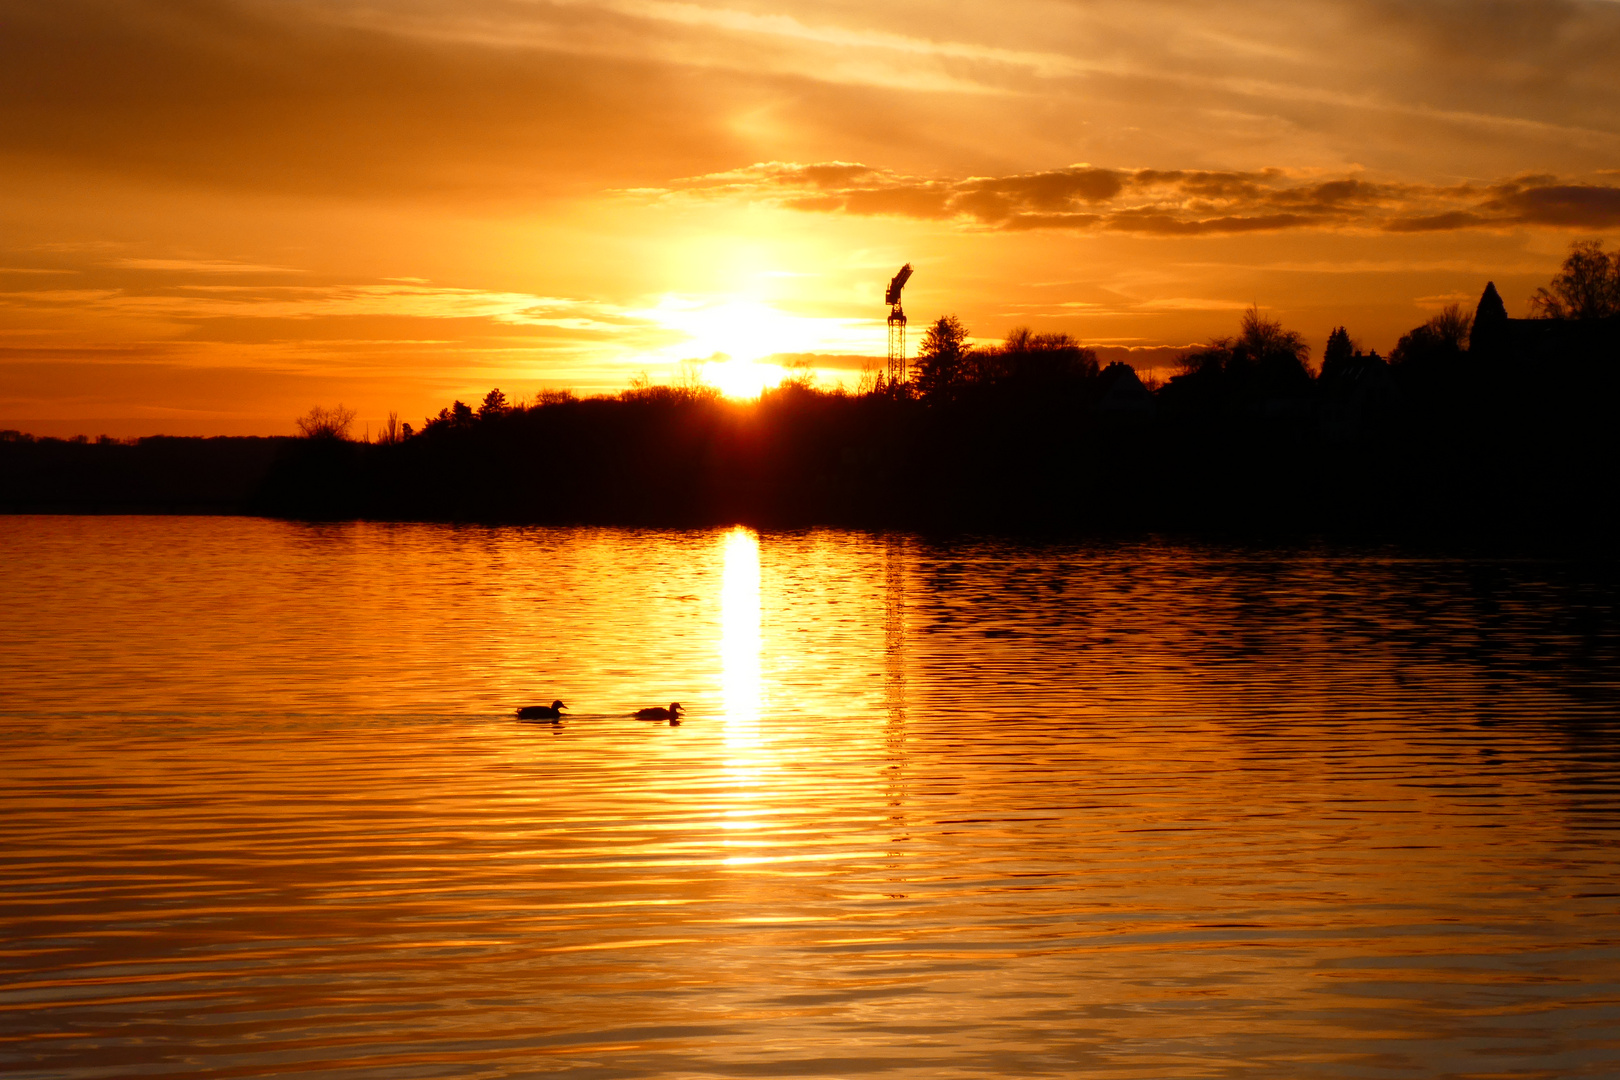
{"x":1584,"y":206}
{"x":203,"y":266}
{"x":393,"y":318}
{"x":517,"y":98}
{"x":823,"y":361}
{"x":1166,"y":224}
{"x":201,"y":302}
{"x":1159,"y":202}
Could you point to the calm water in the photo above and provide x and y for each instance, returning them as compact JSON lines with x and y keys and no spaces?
{"x":961,"y":810}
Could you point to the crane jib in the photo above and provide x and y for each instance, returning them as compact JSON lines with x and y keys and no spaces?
{"x":899,"y":282}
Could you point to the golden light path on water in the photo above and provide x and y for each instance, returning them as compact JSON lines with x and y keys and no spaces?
{"x":743,"y":688}
{"x":741,"y":642}
{"x":968,"y":810}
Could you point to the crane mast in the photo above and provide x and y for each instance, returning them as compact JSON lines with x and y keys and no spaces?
{"x":897,"y":326}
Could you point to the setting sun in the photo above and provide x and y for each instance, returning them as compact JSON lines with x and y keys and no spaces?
{"x":742,"y":378}
{"x":745,"y":329}
{"x":728,"y":344}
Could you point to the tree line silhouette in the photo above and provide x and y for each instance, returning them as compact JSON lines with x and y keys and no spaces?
{"x":1474,"y":422}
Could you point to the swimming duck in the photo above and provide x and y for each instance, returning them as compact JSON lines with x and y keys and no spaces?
{"x":542,"y":712}
{"x":658,"y":712}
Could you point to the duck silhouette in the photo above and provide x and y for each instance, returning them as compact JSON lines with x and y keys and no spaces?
{"x":542,"y":712}
{"x":658,"y":712}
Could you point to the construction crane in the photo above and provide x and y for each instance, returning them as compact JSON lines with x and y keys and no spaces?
{"x":897,"y":325}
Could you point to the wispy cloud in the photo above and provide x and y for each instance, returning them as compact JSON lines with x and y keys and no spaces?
{"x":380,"y":317}
{"x":202,"y":266}
{"x":195,"y":302}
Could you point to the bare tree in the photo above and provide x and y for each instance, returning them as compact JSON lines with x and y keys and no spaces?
{"x":1588,"y":286}
{"x":799,"y":374}
{"x":1262,"y":347}
{"x":1446,"y":335}
{"x":691,"y":376}
{"x":1026,"y":355}
{"x":1452,"y":326}
{"x":871,"y":374}
{"x":1266,"y":341}
{"x":322,"y":423}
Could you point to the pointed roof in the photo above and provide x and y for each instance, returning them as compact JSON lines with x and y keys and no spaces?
{"x":1491,"y":309}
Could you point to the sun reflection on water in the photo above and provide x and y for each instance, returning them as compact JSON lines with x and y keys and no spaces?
{"x":742,"y":685}
{"x":740,"y":639}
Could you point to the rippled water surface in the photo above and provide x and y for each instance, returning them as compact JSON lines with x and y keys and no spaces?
{"x":959,"y":809}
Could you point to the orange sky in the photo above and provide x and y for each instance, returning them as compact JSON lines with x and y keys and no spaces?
{"x":214,"y":215}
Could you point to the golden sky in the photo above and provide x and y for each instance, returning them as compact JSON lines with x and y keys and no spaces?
{"x":217,"y":213}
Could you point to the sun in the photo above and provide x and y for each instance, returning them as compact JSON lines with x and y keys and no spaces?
{"x":737,"y":335}
{"x":737,"y":378}
{"x":746,"y":341}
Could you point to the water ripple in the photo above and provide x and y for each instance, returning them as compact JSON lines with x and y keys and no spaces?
{"x":949,"y":810}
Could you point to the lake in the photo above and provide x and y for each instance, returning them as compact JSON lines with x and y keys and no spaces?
{"x":962,"y":808}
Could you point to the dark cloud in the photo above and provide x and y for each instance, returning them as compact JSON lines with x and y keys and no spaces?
{"x":1334,"y":194}
{"x":1176,"y":202}
{"x":1569,"y":205}
{"x":1052,"y":221}
{"x":1050,"y":190}
{"x":1139,"y":221}
{"x":1208,"y":185}
{"x":922,"y":202}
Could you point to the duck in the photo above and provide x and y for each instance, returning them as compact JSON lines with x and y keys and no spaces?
{"x":658,"y":712}
{"x":542,"y":712}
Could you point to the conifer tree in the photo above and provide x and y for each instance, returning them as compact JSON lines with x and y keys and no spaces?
{"x":942,"y":358}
